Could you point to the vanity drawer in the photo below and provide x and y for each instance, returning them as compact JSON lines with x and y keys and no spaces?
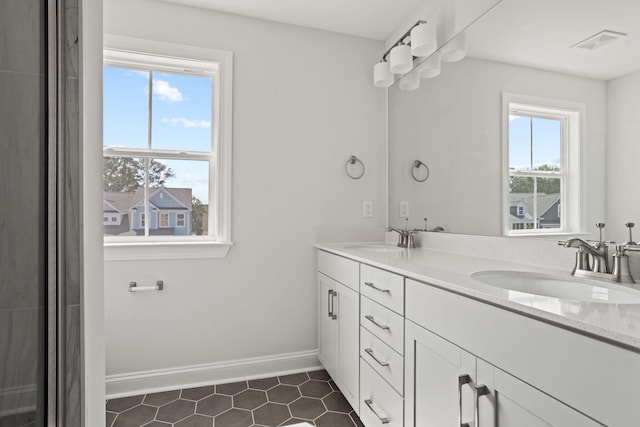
{"x":380,"y":405}
{"x":383,"y":323}
{"x":383,"y":359}
{"x":383,"y":287}
{"x":340,"y":269}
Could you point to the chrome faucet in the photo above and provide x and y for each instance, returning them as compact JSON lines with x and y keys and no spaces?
{"x":598,"y":252}
{"x":405,"y":237}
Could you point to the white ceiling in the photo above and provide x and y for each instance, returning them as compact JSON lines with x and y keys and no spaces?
{"x":373,"y":19}
{"x":540,"y":33}
{"x":536,"y":33}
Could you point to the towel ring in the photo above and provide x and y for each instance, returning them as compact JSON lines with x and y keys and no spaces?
{"x":352,"y":161}
{"x":417,"y":165}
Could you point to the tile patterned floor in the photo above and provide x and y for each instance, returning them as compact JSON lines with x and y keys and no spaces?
{"x":310,"y":397}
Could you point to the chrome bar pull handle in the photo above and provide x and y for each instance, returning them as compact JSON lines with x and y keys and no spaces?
{"x":329,"y":293}
{"x":481,"y":390}
{"x":462,"y":380}
{"x":383,"y":420}
{"x":369,"y":351}
{"x":334,"y":316}
{"x":133,"y":287}
{"x":371,"y":285}
{"x":371,"y":319}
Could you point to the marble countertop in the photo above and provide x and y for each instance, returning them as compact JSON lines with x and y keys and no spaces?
{"x":618,"y":324}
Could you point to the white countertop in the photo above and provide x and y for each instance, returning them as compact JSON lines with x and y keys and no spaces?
{"x":615,"y":323}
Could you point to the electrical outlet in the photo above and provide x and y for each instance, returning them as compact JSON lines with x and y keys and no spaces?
{"x":367,"y":209}
{"x":404,"y":210}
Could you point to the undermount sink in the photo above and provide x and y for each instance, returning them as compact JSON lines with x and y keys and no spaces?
{"x":378,"y":248}
{"x":558,"y":287}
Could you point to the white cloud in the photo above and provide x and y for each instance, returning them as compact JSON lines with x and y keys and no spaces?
{"x":166,"y":92}
{"x":175,"y":121}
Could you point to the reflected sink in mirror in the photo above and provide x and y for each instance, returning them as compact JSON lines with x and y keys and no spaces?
{"x":377,"y":248}
{"x":558,"y":287}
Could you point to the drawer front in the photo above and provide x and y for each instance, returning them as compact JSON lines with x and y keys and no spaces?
{"x":380,"y":405}
{"x":383,"y":323}
{"x":383,"y":287}
{"x":340,"y":269}
{"x":383,"y":359}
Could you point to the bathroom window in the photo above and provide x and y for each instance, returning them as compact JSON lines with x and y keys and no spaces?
{"x":541,"y":165}
{"x":166,"y":148}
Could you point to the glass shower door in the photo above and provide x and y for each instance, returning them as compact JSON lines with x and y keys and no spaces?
{"x":23,"y":213}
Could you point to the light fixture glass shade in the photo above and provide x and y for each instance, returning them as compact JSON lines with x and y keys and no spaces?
{"x":431,"y":66}
{"x":382,"y":75}
{"x":456,"y":49}
{"x":424,"y":40}
{"x":410,"y":81}
{"x":400,"y":59}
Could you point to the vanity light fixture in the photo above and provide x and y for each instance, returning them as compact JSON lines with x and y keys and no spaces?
{"x":456,"y":49}
{"x":399,"y":57}
{"x":411,"y":81}
{"x":431,"y":66}
{"x":382,"y":75}
{"x":424,"y":40}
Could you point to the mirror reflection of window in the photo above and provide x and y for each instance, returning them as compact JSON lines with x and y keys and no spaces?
{"x":539,"y":169}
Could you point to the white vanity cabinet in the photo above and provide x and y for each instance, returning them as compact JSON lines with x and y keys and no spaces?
{"x":381,"y":347}
{"x":447,"y":385}
{"x":535,"y":373}
{"x":339,"y":322}
{"x":439,"y":378}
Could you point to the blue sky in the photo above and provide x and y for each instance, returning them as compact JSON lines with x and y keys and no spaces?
{"x":181,"y":119}
{"x":546,"y":142}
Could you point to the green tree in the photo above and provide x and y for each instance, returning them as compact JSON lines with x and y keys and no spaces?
{"x":524,"y":184}
{"x":127,"y":174}
{"x":199,"y":212}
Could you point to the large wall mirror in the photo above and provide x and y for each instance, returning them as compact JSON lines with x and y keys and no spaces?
{"x":497,"y":129}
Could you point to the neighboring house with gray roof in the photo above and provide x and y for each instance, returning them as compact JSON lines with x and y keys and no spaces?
{"x":521,"y":211}
{"x":170,"y":212}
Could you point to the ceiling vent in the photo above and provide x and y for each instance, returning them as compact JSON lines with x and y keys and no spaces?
{"x":598,"y":40}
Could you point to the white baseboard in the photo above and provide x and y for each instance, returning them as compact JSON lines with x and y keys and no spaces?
{"x":135,"y":383}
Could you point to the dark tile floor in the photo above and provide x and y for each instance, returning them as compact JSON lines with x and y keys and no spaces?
{"x":310,"y":397}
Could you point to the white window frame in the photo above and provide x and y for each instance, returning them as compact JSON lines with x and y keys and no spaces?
{"x":183,"y":219}
{"x":161,"y":214}
{"x":572,"y":218}
{"x":171,"y":57}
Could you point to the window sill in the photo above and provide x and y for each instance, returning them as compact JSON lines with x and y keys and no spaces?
{"x":545,"y":234}
{"x":136,"y":251}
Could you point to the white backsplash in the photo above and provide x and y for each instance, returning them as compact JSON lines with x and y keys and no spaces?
{"x":543,"y":252}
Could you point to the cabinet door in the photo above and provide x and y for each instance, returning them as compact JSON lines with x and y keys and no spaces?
{"x":439,"y":380}
{"x":511,"y":402}
{"x":327,"y":326}
{"x":348,"y":320}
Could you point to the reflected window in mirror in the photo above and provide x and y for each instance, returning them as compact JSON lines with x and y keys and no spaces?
{"x":541,"y":176}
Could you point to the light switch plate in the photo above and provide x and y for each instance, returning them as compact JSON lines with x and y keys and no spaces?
{"x":404,"y":210}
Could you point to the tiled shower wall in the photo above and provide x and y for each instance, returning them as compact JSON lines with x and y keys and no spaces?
{"x":22,"y":203}
{"x":73,"y":210}
{"x":23,"y":177}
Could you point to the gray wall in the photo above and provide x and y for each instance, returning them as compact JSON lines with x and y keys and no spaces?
{"x":303,"y":102}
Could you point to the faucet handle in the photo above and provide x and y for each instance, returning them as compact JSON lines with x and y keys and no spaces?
{"x":630,"y":225}
{"x":600,"y":226}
